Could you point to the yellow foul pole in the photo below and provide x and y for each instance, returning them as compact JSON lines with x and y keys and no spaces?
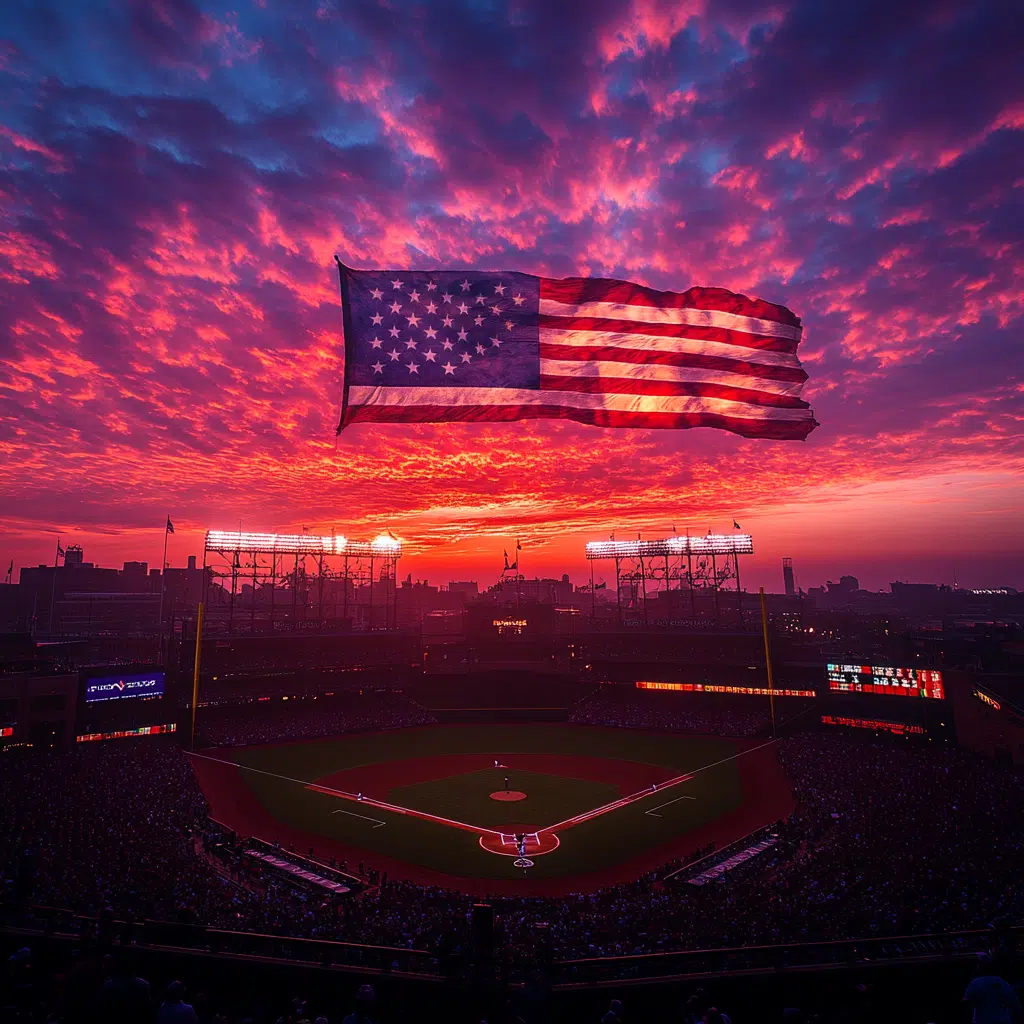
{"x":195,"y":674}
{"x":768,"y":661}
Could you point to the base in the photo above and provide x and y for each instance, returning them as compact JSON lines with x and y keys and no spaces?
{"x":504,"y":843}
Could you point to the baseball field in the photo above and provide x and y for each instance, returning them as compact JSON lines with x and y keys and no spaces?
{"x":443,"y":804}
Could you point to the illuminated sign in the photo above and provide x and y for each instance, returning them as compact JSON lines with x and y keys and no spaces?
{"x":886,"y":680}
{"x":986,"y":699}
{"x":148,"y":684}
{"x":122,"y":734}
{"x":7,"y":730}
{"x":874,"y":724}
{"x":509,"y":625}
{"x":753,"y":691}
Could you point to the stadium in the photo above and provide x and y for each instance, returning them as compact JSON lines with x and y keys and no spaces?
{"x":680,"y":790}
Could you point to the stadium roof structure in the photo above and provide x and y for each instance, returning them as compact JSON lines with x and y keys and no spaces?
{"x":704,"y":544}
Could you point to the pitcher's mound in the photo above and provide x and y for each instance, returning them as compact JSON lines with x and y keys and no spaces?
{"x":508,"y":795}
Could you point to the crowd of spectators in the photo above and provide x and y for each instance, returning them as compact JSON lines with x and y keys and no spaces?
{"x":93,"y":986}
{"x":107,"y":825}
{"x":714,"y":714}
{"x":308,"y":717}
{"x":888,"y":839}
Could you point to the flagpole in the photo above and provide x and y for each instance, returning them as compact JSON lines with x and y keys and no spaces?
{"x":519,"y":573}
{"x":163,"y":587}
{"x":53,"y":588}
{"x":346,"y":326}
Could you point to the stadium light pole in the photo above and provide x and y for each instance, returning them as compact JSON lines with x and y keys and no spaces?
{"x":768,"y":661}
{"x":643,"y":585}
{"x":195,"y":673}
{"x":344,"y":594}
{"x":255,"y":573}
{"x":618,"y":593}
{"x":739,"y":589}
{"x":689,"y":577}
{"x":714,"y":577}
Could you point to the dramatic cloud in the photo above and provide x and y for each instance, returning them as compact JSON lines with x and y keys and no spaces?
{"x":176,"y":177}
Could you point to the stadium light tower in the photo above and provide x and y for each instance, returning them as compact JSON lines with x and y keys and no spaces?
{"x":264,"y":560}
{"x":652,"y":554}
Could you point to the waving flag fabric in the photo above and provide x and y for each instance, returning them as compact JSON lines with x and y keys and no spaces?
{"x":424,"y":346}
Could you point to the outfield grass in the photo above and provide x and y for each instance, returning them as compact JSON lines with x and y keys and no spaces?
{"x":589,"y":847}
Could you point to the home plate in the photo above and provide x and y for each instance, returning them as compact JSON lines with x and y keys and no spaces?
{"x":505,"y":844}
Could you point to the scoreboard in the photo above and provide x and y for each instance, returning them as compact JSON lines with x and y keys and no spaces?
{"x":886,"y":680}
{"x":147,"y":685}
{"x":116,"y":702}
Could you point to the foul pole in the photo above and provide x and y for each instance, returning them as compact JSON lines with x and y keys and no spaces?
{"x":195,"y":674}
{"x":768,"y":661}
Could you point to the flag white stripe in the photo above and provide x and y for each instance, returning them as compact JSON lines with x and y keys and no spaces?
{"x":657,"y":371}
{"x":654,"y":342}
{"x":660,"y":315}
{"x":459,"y":397}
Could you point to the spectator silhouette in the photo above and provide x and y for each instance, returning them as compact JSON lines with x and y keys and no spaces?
{"x":366,"y":1001}
{"x":174,"y":1009}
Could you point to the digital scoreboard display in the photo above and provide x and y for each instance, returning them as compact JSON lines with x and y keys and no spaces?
{"x":124,"y":687}
{"x":750,"y":691}
{"x":874,"y":724}
{"x":886,"y":680}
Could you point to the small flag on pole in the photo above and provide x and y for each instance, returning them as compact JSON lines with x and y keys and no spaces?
{"x":60,"y":550}
{"x":170,"y":525}
{"x":735,"y":525}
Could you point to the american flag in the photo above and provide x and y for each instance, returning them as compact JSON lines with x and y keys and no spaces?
{"x":429,"y":346}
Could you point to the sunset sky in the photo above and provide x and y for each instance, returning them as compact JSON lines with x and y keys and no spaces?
{"x":175,"y":179}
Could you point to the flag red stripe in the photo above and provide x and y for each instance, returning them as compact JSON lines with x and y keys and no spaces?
{"x":575,"y":290}
{"x":630,"y":355}
{"x":741,"y":339}
{"x":631,"y":386}
{"x":780,"y":430}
